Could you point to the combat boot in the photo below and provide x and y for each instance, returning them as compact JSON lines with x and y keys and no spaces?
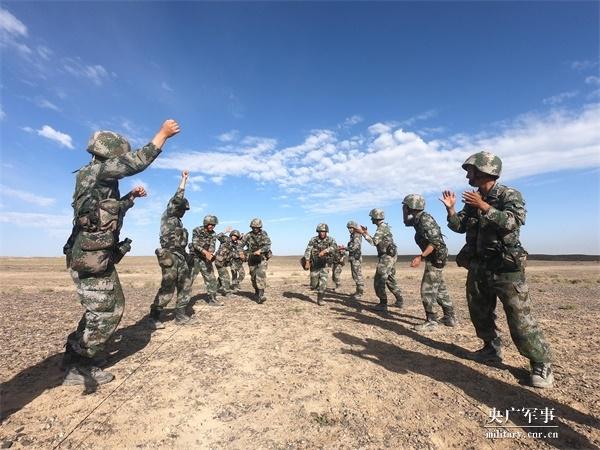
{"x":260,"y":296}
{"x":491,"y":352}
{"x":449,"y":318}
{"x":321,"y":298}
{"x":541,"y":375}
{"x":155,"y":321}
{"x":360,"y":290}
{"x":399,"y":300}
{"x":70,"y":358}
{"x":381,"y":306}
{"x":430,"y":323}
{"x":83,"y":372}
{"x":212,"y":301}
{"x":181,"y":317}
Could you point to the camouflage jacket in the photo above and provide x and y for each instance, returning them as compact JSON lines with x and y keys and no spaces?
{"x":228,"y":249}
{"x":354,"y":246}
{"x":255,"y":242}
{"x":428,"y":232}
{"x":317,"y":245}
{"x":173,"y":236}
{"x":202,"y":239}
{"x":98,"y":183}
{"x":489,"y":235}
{"x":339,"y":256}
{"x":382,"y":239}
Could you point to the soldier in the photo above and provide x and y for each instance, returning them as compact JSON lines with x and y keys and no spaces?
{"x":224,"y":258}
{"x":172,"y":259}
{"x":258,"y":244}
{"x":237,"y":260}
{"x":385,"y":274}
{"x":202,"y":248}
{"x":429,"y":238}
{"x":318,"y":257}
{"x":338,"y":261}
{"x":492,"y":218}
{"x":93,"y":248}
{"x":355,"y":257}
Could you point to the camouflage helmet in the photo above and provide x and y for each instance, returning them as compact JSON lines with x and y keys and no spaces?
{"x":235,"y":233}
{"x":377,"y":214}
{"x":210,"y":220}
{"x":485,"y":162}
{"x":414,"y":201}
{"x":322,"y":227}
{"x":351,"y":224}
{"x":256,"y":223}
{"x":107,"y":144}
{"x":179,"y":205}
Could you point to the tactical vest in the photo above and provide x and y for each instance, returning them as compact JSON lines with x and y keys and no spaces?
{"x":317,"y":246}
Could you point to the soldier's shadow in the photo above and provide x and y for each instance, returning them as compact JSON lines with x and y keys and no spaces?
{"x":494,"y":393}
{"x":298,"y":296}
{"x":30,"y":383}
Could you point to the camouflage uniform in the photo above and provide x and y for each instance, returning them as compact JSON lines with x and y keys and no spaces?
{"x":339,"y":260}
{"x":93,"y":248}
{"x":319,"y":266}
{"x":172,"y":258}
{"x":223,"y":260}
{"x":355,"y":258}
{"x":256,"y":240}
{"x":202,"y":239}
{"x":385,"y":273}
{"x":433,"y":286}
{"x":237,"y":264}
{"x":496,"y":263}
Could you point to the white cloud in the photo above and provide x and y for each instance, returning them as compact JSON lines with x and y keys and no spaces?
{"x":583,"y":65}
{"x":43,"y":103}
{"x":75,"y":66}
{"x":11,"y":31}
{"x":351,"y":121}
{"x":423,"y":116}
{"x":2,"y":113}
{"x":11,"y":25}
{"x":44,"y":52}
{"x":559,"y":98}
{"x":166,"y":87}
{"x":56,"y":136}
{"x":28,"y":129}
{"x":592,"y":79}
{"x":27,"y":197}
{"x":230,"y":136}
{"x":324,"y":173}
{"x":217,"y":180}
{"x":37,"y":220}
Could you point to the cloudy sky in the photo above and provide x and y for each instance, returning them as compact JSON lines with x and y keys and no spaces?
{"x":301,"y":113}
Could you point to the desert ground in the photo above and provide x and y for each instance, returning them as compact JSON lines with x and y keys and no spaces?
{"x":289,"y":374}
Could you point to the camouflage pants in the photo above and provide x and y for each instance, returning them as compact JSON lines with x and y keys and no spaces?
{"x":484,"y":288}
{"x":318,"y":279}
{"x":258,"y":275}
{"x":336,"y":274}
{"x":174,"y":277}
{"x":224,"y":280}
{"x":102,"y":297}
{"x":433,"y":289}
{"x":356,"y":270}
{"x":208,"y":274}
{"x":237,"y":272}
{"x":385,"y":275}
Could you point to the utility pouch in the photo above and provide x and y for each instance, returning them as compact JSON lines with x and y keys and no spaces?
{"x":108,"y":214}
{"x":391,"y":250}
{"x":92,"y":251}
{"x":165,"y":257}
{"x":514,"y":259}
{"x":464,"y":256}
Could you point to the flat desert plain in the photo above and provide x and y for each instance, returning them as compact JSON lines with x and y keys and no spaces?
{"x":289,"y":374}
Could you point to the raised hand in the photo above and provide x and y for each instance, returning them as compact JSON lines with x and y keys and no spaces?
{"x":448,"y":199}
{"x":138,"y":191}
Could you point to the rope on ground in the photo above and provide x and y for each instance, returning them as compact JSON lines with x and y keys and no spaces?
{"x":111,"y":393}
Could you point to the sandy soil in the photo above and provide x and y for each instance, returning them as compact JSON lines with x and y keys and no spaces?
{"x":289,"y":374}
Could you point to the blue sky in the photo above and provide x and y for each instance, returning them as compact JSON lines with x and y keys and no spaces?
{"x":301,"y":113}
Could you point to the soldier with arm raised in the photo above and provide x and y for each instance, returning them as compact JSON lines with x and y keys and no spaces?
{"x":93,"y":248}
